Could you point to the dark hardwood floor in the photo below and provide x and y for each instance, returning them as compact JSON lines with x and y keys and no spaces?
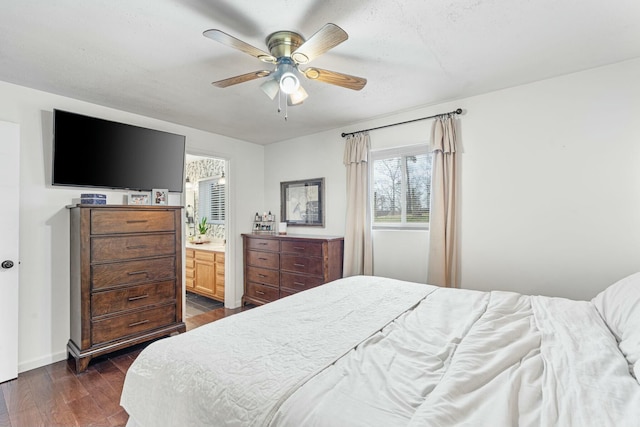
{"x":54,"y":396}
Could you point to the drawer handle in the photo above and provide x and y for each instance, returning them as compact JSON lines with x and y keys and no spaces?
{"x":259,"y":292}
{"x":262,"y":243}
{"x":138,"y":297}
{"x":262,"y":275}
{"x":298,"y":248}
{"x":133,"y":273}
{"x":299,"y":283}
{"x":134,"y":221}
{"x":137,"y":247}
{"x":142,"y":322}
{"x":298,"y":265}
{"x":263,"y":259}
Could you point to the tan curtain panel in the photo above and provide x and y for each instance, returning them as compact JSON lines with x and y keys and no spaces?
{"x":443,"y":251}
{"x":358,"y":254}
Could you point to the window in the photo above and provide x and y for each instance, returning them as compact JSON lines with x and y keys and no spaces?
{"x":212,"y":201}
{"x":401,"y":187}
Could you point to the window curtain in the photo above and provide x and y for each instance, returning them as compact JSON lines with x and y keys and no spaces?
{"x":358,"y":253}
{"x":443,"y":249}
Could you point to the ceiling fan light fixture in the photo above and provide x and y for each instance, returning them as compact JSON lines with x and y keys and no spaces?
{"x":289,"y":83}
{"x":270,"y":87}
{"x":298,"y":96}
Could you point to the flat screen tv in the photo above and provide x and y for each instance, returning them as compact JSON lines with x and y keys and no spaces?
{"x":92,"y":152}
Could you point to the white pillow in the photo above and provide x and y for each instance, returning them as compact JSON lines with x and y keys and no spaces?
{"x":619,"y":306}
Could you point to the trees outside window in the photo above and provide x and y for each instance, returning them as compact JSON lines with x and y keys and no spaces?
{"x":401,"y":187}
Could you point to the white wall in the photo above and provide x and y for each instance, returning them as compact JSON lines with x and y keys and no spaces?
{"x":44,"y":220}
{"x":319,"y":156}
{"x":550,"y":183}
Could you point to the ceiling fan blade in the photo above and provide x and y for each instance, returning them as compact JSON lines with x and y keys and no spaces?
{"x":334,"y":78}
{"x":324,"y":39}
{"x":241,"y":78}
{"x":226,"y":39}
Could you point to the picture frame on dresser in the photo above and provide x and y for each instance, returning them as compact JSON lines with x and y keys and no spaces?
{"x":159,"y":196}
{"x":139,"y":199}
{"x":302,"y":202}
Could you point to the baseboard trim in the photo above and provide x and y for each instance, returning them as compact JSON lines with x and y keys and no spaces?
{"x":43,"y":361}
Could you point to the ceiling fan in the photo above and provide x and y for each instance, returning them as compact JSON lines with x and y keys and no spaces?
{"x":288,"y":51}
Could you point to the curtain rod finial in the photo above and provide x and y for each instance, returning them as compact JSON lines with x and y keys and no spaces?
{"x":459,"y":111}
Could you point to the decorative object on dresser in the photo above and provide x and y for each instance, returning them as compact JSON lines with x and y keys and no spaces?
{"x":264,"y":224}
{"x":159,"y":196}
{"x":302,"y":202}
{"x":276,"y":266}
{"x":205,"y":273}
{"x":93,"y":199}
{"x":139,"y":199}
{"x":126,"y":277}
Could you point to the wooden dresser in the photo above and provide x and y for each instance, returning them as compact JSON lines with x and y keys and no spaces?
{"x":276,"y":266}
{"x":126,"y":277}
{"x":205,"y":273}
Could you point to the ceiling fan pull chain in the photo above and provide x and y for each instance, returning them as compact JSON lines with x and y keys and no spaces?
{"x":279,"y":101}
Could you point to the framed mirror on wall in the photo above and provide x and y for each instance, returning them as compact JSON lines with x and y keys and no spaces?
{"x":302,"y":202}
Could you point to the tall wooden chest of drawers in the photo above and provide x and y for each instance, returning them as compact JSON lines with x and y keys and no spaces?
{"x":276,"y":266}
{"x":126,"y":277}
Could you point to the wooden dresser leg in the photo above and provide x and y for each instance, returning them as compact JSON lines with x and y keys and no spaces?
{"x":81,"y":364}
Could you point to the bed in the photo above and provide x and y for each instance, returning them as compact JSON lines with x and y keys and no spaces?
{"x":372,"y":351}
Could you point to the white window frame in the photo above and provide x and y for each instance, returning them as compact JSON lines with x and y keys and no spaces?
{"x":205,"y":191}
{"x":409,"y":150}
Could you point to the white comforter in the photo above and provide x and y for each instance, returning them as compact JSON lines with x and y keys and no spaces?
{"x":370,"y":352}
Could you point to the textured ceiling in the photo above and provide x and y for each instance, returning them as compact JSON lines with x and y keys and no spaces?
{"x":149,"y":57}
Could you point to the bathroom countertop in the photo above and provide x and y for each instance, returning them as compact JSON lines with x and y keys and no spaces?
{"x":210,"y":246}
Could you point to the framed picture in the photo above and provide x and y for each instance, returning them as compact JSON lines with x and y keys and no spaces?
{"x":302,"y":202}
{"x":159,"y":196}
{"x":139,"y":198}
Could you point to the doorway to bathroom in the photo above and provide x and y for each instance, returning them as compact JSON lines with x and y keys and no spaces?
{"x":206,"y":203}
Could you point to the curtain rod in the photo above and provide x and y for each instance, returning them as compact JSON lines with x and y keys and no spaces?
{"x":458,"y":111}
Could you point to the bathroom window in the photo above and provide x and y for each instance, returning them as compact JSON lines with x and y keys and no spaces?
{"x":212,"y":200}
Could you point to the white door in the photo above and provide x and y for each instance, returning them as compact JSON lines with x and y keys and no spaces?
{"x":9,"y":209}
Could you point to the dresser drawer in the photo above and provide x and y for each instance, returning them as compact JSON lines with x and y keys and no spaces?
{"x":130,"y":272}
{"x":262,"y":292}
{"x":286,"y":292}
{"x":190,"y":254}
{"x":189,"y":263}
{"x":302,"y":247}
{"x":298,"y":264}
{"x":264,"y":244}
{"x":109,"y":302}
{"x":110,"y":221}
{"x":299,"y":282}
{"x":262,"y":275}
{"x":118,"y":327}
{"x":115,"y":248}
{"x":263,"y":259}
